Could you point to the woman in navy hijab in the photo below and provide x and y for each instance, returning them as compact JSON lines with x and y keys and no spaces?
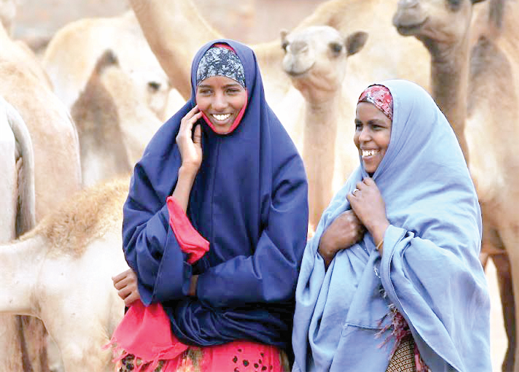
{"x":214,"y":228}
{"x":392,"y":281}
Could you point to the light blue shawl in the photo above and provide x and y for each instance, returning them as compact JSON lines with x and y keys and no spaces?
{"x":430,"y":268}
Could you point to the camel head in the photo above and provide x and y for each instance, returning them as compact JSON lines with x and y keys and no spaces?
{"x":434,"y":21}
{"x":315,"y":58}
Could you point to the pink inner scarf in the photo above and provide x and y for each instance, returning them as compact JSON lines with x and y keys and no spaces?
{"x":380,"y":96}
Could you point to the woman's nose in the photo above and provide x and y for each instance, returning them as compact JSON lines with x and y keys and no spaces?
{"x":219,"y":102}
{"x":364,"y":135}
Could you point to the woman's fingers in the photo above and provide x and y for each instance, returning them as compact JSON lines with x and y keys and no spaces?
{"x":197,"y":135}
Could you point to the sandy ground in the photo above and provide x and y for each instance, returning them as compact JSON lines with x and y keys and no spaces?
{"x":249,"y":21}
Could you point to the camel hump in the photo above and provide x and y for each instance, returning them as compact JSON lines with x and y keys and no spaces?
{"x":86,"y":216}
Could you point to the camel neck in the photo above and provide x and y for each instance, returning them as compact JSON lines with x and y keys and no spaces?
{"x":449,"y":83}
{"x":319,"y":152}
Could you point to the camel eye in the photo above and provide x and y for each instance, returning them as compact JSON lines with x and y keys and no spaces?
{"x":154,"y":86}
{"x":336,"y":48}
{"x":284,"y":45}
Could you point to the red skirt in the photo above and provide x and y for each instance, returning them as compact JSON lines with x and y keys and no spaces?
{"x":143,"y":342}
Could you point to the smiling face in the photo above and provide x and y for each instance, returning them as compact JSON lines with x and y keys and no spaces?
{"x":221,"y":99}
{"x":372,"y":135}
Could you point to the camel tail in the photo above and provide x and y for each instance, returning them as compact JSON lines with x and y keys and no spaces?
{"x":26,"y":209}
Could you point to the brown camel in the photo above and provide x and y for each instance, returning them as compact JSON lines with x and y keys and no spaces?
{"x":74,"y":50}
{"x":114,"y":126}
{"x":475,"y":81}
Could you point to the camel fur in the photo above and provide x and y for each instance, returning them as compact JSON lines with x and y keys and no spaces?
{"x":61,"y":273}
{"x":114,"y":126}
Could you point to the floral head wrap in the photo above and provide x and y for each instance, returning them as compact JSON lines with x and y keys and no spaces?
{"x":220,"y":60}
{"x":380,"y":96}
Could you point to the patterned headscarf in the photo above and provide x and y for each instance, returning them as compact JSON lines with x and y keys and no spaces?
{"x":220,"y":60}
{"x":379,"y":96}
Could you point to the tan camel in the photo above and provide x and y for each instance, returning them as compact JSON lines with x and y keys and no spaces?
{"x":18,"y":213}
{"x":74,"y":50}
{"x":61,"y":273}
{"x":315,"y":60}
{"x":53,"y":134}
{"x":114,"y":127}
{"x":56,"y":151}
{"x":477,"y":87}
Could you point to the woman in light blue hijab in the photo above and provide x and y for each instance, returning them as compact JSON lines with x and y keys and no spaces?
{"x":392,"y":279}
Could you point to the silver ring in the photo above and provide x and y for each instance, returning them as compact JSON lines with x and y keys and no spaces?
{"x":354,"y":191}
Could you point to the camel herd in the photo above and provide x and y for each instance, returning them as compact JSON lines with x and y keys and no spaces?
{"x":81,"y":115}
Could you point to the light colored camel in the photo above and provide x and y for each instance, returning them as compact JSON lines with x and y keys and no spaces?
{"x":56,"y":150}
{"x":113,"y":125}
{"x":54,"y":137}
{"x":61,"y":273}
{"x":475,"y":81}
{"x":74,"y":50}
{"x":18,"y":213}
{"x":315,"y":60}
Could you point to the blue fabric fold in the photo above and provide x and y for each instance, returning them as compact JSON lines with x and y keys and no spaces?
{"x":249,"y":200}
{"x":430,"y":267}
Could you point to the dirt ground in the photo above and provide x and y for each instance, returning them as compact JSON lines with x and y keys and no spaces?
{"x":249,"y":21}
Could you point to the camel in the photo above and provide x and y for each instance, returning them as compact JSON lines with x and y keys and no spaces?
{"x":74,"y":50}
{"x":61,"y":273}
{"x":475,"y":81}
{"x":114,"y":127}
{"x":315,"y":60}
{"x":54,"y":137}
{"x":57,"y":170}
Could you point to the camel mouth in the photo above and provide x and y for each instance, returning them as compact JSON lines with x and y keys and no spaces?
{"x":297,"y":73}
{"x":409,"y":29}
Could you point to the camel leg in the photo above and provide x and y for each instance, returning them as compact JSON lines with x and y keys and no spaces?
{"x":504,"y":277}
{"x":510,"y":238}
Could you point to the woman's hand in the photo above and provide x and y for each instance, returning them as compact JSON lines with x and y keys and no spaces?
{"x":344,"y":231}
{"x":126,"y":285}
{"x":189,"y":143}
{"x":368,"y":204}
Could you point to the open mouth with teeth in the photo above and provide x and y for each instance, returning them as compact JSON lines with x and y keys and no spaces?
{"x":367,"y":154}
{"x":220,"y":119}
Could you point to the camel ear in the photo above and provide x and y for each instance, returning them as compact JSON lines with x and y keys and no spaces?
{"x":283,"y":33}
{"x":355,"y":42}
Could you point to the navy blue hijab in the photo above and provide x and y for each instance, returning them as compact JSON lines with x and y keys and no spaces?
{"x":249,"y":200}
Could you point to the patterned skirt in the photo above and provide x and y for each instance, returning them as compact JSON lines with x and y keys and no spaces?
{"x":233,"y":357}
{"x":403,"y":360}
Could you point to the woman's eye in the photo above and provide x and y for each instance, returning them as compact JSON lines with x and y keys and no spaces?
{"x":233,"y":91}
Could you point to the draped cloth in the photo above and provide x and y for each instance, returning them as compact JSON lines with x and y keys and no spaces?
{"x":429,"y":268}
{"x":248,"y":201}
